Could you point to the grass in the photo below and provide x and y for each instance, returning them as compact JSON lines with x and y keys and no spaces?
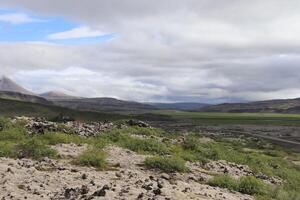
{"x":92,"y":158}
{"x":34,"y":149}
{"x":51,"y":138}
{"x":123,"y":138}
{"x":246,"y":184}
{"x":166,"y":164}
{"x":211,"y":118}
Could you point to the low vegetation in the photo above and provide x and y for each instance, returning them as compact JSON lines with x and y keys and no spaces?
{"x":246,"y":185}
{"x":36,"y":149}
{"x":92,"y":158}
{"x":166,"y":164}
{"x":168,"y":153}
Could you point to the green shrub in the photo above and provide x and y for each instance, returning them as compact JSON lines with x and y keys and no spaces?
{"x":188,"y":155}
{"x":166,"y":164}
{"x":246,"y":184}
{"x":92,"y":158}
{"x":224,"y":181}
{"x":251,"y":185}
{"x":191,"y":143}
{"x":35,"y":149}
{"x":282,"y":194}
{"x":145,"y":145}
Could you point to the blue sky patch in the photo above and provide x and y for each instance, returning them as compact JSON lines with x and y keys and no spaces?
{"x":21,"y":27}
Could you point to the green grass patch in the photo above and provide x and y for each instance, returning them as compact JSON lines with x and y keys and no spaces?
{"x":92,"y":158}
{"x":34,"y":149}
{"x":123,"y":138}
{"x":213,"y":118}
{"x":246,"y":185}
{"x":61,"y":138}
{"x":166,"y":164}
{"x":7,"y":149}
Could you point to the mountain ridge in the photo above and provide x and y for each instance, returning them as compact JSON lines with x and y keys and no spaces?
{"x":271,"y":106}
{"x":8,"y":85}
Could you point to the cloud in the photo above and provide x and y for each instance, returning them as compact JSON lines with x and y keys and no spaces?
{"x":80,"y":32}
{"x":17,"y":18}
{"x":169,"y":50}
{"x":83,"y":82}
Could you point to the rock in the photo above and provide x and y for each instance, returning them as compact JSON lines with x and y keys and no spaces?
{"x":165,"y":176}
{"x":157,"y":191}
{"x":40,"y":126}
{"x":138,"y":123}
{"x":84,"y":176}
{"x":141,"y":195}
{"x":118,"y":174}
{"x":9,"y":170}
{"x":147,"y":186}
{"x":102,"y":192}
{"x":84,"y":189}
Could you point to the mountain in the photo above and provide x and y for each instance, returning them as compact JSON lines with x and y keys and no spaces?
{"x":52,"y":95}
{"x":271,"y":106}
{"x":7,"y":84}
{"x":179,"y":106}
{"x":102,"y":104}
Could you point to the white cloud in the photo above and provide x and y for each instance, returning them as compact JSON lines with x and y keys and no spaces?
{"x":194,"y":50}
{"x":79,"y":32}
{"x":17,"y":18}
{"x":82,"y":82}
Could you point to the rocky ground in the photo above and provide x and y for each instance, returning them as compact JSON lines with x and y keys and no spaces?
{"x":128,"y":179}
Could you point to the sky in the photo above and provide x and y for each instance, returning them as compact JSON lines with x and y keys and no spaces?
{"x":207,"y":51}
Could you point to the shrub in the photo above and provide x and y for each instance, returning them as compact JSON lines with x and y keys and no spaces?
{"x":166,"y":164}
{"x":35,"y":149}
{"x":92,"y":158}
{"x":224,"y":181}
{"x":246,"y":184}
{"x":145,"y":145}
{"x":251,"y":185}
{"x":191,"y":143}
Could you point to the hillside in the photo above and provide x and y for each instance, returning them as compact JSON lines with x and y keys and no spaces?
{"x":23,"y":97}
{"x":271,"y":106}
{"x":11,"y":108}
{"x":103,"y":104}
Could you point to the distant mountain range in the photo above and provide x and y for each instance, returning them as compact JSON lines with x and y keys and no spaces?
{"x":102,"y":104}
{"x":56,"y":95}
{"x":270,"y":106}
{"x":12,"y":91}
{"x":179,"y":106}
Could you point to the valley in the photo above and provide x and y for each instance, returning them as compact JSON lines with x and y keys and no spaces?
{"x":173,"y":153}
